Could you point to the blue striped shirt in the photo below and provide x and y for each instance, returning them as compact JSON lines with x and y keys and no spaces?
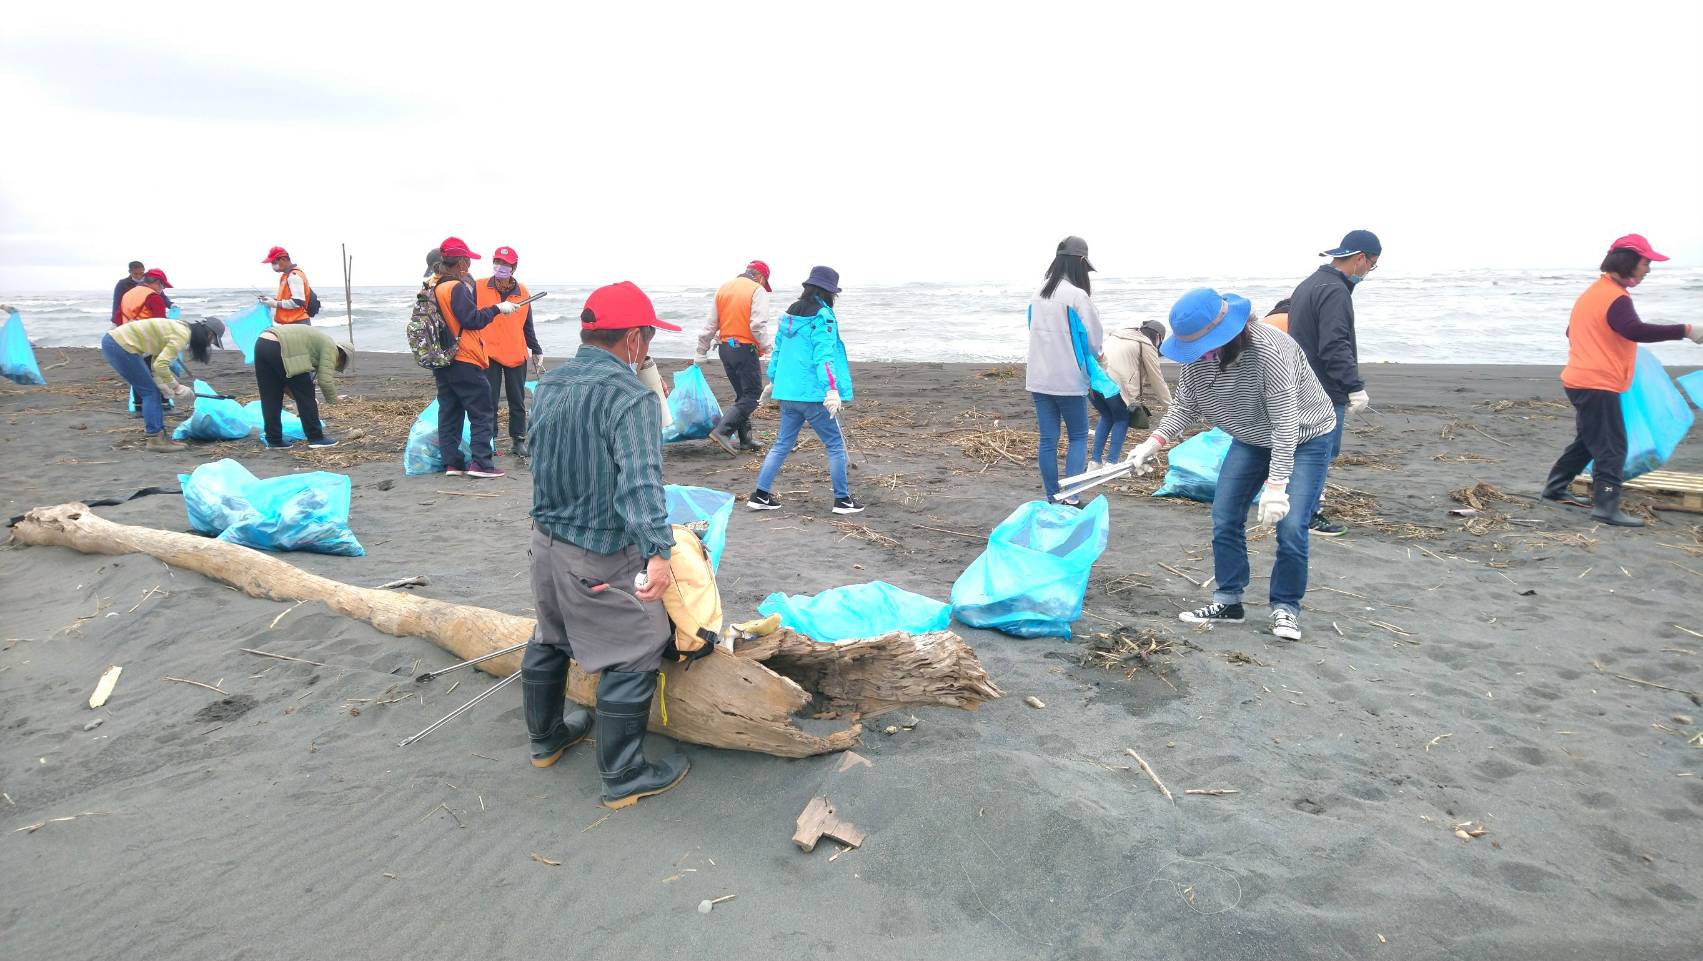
{"x":596,"y":442}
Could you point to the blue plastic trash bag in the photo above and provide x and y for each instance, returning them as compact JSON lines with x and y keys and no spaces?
{"x":213,"y":419}
{"x":857,"y":611}
{"x":17,"y":357}
{"x":693,"y":405}
{"x":1692,"y":384}
{"x":288,"y":423}
{"x":174,"y":312}
{"x":421,"y":455}
{"x":1031,"y":579}
{"x":294,"y":512}
{"x":245,"y":327}
{"x":689,"y":504}
{"x":1194,"y":465}
{"x":1656,"y":415}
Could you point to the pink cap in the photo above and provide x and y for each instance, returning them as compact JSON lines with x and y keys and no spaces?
{"x":1637,"y":243}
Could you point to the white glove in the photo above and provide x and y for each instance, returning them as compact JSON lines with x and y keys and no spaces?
{"x":182,"y":391}
{"x":538,"y":363}
{"x":1694,"y":333}
{"x":1358,"y":401}
{"x":268,"y":301}
{"x":768,"y":389}
{"x":505,"y":308}
{"x":832,"y":402}
{"x":699,"y":359}
{"x":1140,"y":458}
{"x":1274,"y":504}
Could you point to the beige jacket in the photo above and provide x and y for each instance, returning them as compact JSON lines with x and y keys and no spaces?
{"x":1133,"y":361}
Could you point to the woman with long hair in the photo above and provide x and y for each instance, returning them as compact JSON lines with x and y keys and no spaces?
{"x":1064,"y":339}
{"x":127,"y":349}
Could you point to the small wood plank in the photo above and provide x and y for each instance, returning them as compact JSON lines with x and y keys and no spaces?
{"x":819,"y":819}
{"x":103,"y":688}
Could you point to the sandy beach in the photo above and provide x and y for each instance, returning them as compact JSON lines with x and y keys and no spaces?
{"x":1520,"y":677}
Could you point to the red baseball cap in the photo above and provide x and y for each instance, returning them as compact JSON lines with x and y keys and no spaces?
{"x":620,"y":307}
{"x":273,"y":255}
{"x":1636,"y":242}
{"x":160,"y":275}
{"x":456,"y":247}
{"x":763,"y":269}
{"x":507,"y":256}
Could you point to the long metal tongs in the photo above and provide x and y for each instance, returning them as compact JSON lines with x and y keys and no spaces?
{"x":1088,"y":480}
{"x":421,"y":678}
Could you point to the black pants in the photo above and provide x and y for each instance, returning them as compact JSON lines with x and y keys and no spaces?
{"x":464,"y":393}
{"x":1600,"y":436}
{"x":269,"y":375}
{"x":745,"y":373}
{"x":515,"y":377}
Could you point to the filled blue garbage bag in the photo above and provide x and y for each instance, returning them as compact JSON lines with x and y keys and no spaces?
{"x":693,"y":405}
{"x":1194,"y":465}
{"x":1031,"y":579}
{"x":213,"y":419}
{"x":17,"y":357}
{"x":1656,"y":415}
{"x":421,"y":454}
{"x":1692,"y":385}
{"x":689,"y":504}
{"x":295,"y":512}
{"x":857,"y":611}
{"x":243,"y":328}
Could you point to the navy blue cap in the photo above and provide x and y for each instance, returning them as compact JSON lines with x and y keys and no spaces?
{"x":1356,"y":242}
{"x":826,"y":278}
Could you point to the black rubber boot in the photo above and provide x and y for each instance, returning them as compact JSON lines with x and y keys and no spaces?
{"x":551,"y":732}
{"x":623,"y":708}
{"x":746,"y":441}
{"x":1608,"y":511}
{"x":722,"y":434}
{"x":1557,"y":489}
{"x":519,"y":448}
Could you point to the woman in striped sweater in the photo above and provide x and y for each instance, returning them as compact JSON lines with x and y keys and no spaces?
{"x":1255,"y":384}
{"x":128,"y":348}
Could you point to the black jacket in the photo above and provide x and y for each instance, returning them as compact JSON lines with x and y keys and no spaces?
{"x":1321,"y":320}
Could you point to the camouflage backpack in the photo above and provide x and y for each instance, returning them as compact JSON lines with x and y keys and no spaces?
{"x":429,"y":336}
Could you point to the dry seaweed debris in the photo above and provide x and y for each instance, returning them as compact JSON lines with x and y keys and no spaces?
{"x":1002,"y":372}
{"x":1129,"y":651}
{"x":864,"y":532}
{"x":1468,"y":457}
{"x":1374,"y":461}
{"x":1530,"y":403}
{"x":1360,"y":509}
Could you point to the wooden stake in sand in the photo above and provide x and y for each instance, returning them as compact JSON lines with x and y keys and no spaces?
{"x":1145,"y":769}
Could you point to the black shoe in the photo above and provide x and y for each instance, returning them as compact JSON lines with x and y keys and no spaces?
{"x":1558,"y":490}
{"x":285,"y":445}
{"x":721,"y":436}
{"x":1325,"y":527}
{"x":623,"y":710}
{"x":1608,"y":510}
{"x":1214,"y":613}
{"x":550,"y":731}
{"x":747,"y":442}
{"x":847,"y":505}
{"x":323,"y":442}
{"x":518,"y":448}
{"x":763,"y":501}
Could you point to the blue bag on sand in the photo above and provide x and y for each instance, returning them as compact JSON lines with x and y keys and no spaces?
{"x":1194,"y":465}
{"x":288,"y":423}
{"x":294,"y":512}
{"x":421,"y":455}
{"x":693,"y":404}
{"x":213,"y":419}
{"x":246,"y":326}
{"x":1656,"y":416}
{"x":689,"y":504}
{"x":858,"y":611}
{"x":1692,"y":384}
{"x":1031,"y":579}
{"x":17,"y":357}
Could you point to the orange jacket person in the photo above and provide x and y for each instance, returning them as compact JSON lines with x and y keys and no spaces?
{"x":1603,"y":335}
{"x":290,"y":305}
{"x":738,"y":325}
{"x":464,"y":395}
{"x":507,"y":340}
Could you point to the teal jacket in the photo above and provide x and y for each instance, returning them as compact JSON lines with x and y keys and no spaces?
{"x":809,"y":356}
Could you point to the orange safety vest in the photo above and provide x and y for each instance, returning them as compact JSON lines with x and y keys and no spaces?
{"x":470,"y":346}
{"x":1597,"y":357}
{"x":733,"y":309}
{"x":505,"y":338}
{"x":292,"y":315}
{"x":134,"y":306}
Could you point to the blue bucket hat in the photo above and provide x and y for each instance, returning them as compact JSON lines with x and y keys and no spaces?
{"x":826,"y":278}
{"x":1202,"y":320}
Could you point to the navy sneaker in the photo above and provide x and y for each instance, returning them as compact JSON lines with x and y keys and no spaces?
{"x":323,"y":442}
{"x":763,"y":501}
{"x":847,"y":505}
{"x":1325,"y":527}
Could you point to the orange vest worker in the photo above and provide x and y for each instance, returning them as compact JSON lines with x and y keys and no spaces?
{"x":292,"y":315}
{"x":1598,"y":358}
{"x":733,"y":309}
{"x":134,"y":306}
{"x":505,"y":337}
{"x":470,"y":346}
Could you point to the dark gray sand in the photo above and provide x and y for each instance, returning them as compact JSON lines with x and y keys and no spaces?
{"x":284,"y":822}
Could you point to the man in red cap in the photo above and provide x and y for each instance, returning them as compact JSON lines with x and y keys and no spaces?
{"x":739,"y":327}
{"x":507,"y":341}
{"x":290,"y":304}
{"x":600,"y":547}
{"x":1603,"y":335}
{"x":464,"y":393}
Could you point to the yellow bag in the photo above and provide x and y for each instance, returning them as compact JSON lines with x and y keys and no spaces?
{"x":693,"y":602}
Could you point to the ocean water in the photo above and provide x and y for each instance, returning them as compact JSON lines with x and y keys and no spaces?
{"x":1485,"y":317}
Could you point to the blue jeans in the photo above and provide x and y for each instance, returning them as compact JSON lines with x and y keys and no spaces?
{"x":1073,"y":411}
{"x":1239,"y":482}
{"x":1114,"y":420}
{"x":794,"y":415}
{"x":135,"y":372}
{"x":1336,"y":433}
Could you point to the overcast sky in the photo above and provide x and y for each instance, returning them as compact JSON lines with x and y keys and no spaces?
{"x":914,"y":141}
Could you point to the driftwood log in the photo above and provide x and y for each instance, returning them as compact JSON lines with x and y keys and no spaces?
{"x":745,"y":701}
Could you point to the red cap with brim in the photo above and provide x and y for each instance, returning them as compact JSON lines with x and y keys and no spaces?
{"x":157,"y":274}
{"x":456,"y":247}
{"x":621,"y":306}
{"x":273,"y":255}
{"x":759,"y":267}
{"x":507,"y":256}
{"x":1637,"y":243}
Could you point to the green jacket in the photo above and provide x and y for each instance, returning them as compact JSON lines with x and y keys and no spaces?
{"x":306,"y":349}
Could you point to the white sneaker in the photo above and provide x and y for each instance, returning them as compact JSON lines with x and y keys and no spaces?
{"x":1285,"y":625}
{"x":1096,"y":464}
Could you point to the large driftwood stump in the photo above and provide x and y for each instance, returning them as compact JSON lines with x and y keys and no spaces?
{"x":725,"y":700}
